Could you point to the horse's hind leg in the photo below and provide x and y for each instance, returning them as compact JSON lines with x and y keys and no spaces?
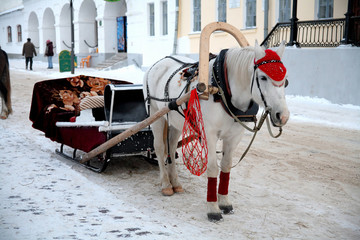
{"x":174,"y":136}
{"x":159,"y":129}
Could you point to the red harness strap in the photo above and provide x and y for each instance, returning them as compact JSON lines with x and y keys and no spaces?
{"x":224,"y":183}
{"x":226,"y":80}
{"x":223,"y":186}
{"x":211,"y":190}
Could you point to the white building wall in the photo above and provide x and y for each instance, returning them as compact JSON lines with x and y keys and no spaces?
{"x":36,"y":15}
{"x":11,"y":19}
{"x":330,"y":73}
{"x":155,"y":47}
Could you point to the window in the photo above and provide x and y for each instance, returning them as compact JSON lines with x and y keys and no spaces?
{"x":222,"y":10}
{"x":326,"y":8}
{"x":151,"y":19}
{"x":196,"y":15}
{"x":9,"y":34}
{"x":19,"y":33}
{"x":250,"y":13}
{"x":284,"y":10}
{"x":164,"y":9}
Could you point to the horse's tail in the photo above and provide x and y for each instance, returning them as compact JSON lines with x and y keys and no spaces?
{"x":5,"y":87}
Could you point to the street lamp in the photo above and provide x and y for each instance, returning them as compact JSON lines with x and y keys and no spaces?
{"x":294,"y":30}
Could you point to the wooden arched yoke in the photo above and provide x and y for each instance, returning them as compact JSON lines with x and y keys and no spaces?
{"x":204,"y":49}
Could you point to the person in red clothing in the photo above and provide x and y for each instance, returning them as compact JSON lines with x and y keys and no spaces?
{"x":49,"y":52}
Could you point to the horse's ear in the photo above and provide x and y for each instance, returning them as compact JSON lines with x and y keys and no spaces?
{"x":259,"y":51}
{"x":281,"y":49}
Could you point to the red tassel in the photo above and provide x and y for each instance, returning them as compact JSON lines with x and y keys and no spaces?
{"x":224,"y":183}
{"x":211,"y":190}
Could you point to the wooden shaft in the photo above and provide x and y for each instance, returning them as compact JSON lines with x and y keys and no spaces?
{"x":131,"y":131}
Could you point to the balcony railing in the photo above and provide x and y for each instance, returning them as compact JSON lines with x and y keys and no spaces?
{"x":320,"y":33}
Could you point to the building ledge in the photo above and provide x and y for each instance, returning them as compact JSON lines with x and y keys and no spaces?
{"x":19,"y":8}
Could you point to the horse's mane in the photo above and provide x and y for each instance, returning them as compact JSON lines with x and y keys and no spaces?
{"x":239,"y":61}
{"x":240,"y":58}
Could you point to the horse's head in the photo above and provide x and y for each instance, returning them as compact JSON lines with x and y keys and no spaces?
{"x":268,"y":83}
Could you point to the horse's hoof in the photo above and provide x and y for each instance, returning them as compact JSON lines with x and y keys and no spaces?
{"x":227,"y":209}
{"x":167,"y":191}
{"x":178,"y":189}
{"x":214,"y":217}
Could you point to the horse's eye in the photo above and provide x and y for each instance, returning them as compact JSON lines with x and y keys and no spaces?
{"x":286,"y":82}
{"x":263,"y":78}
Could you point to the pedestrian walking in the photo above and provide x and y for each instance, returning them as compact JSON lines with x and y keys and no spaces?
{"x":49,"y":52}
{"x":29,"y":52}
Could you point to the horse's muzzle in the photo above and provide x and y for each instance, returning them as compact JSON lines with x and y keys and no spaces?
{"x":279,"y":119}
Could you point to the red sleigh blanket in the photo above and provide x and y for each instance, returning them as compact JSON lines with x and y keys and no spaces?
{"x":57,"y":100}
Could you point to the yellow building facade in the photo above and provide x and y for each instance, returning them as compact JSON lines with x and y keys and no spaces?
{"x":236,"y":16}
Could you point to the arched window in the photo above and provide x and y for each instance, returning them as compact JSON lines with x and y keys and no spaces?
{"x":9,"y":34}
{"x":19,"y":33}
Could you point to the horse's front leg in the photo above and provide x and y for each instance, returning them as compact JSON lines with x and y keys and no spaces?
{"x":225,"y":165}
{"x":213,"y":211}
{"x":230,"y":143}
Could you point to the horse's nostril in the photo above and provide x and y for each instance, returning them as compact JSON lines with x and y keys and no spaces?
{"x":278,"y":116}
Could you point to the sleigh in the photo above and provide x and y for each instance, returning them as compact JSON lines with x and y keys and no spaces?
{"x":120,"y":126}
{"x":100,"y":109}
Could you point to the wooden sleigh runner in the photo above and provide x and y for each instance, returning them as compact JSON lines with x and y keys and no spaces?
{"x":116,"y":107}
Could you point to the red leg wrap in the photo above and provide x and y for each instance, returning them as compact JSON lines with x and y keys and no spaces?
{"x":211,"y":190}
{"x":224,"y":183}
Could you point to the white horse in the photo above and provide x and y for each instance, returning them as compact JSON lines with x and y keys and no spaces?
{"x":246,"y":83}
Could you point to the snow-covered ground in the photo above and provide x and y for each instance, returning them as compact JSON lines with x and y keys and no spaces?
{"x":43,"y":196}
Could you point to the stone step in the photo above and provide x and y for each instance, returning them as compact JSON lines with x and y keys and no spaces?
{"x":117,"y":58}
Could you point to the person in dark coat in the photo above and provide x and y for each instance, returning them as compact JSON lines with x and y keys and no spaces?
{"x":49,"y":52}
{"x":29,"y":52}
